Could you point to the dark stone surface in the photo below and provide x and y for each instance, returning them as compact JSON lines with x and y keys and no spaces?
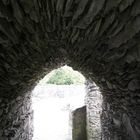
{"x":100,"y":38}
{"x":16,"y":118}
{"x":79,"y":124}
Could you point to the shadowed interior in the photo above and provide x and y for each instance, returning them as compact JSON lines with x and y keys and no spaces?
{"x":99,"y":38}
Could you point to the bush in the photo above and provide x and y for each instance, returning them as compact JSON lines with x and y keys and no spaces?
{"x":60,"y":77}
{"x":65,"y":76}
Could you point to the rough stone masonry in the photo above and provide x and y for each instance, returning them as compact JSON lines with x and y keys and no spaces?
{"x":16,"y":118}
{"x":100,"y":38}
{"x":93,"y":111}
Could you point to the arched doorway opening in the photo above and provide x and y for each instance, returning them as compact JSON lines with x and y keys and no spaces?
{"x":58,"y":103}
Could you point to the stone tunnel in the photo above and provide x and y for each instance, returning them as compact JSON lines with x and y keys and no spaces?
{"x":99,"y":38}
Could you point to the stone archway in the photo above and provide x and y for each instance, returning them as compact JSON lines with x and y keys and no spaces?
{"x":99,"y":38}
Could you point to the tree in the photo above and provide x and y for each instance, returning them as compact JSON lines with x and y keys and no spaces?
{"x":65,"y":76}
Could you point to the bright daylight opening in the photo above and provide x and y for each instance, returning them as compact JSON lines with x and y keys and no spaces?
{"x":54,"y":99}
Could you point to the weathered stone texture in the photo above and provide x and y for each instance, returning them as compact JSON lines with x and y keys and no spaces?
{"x":16,"y":118}
{"x":120,"y":118}
{"x":94,"y":110}
{"x":100,"y":38}
{"x":79,"y":124}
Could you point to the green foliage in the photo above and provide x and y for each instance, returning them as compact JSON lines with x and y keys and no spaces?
{"x":60,"y":77}
{"x":64,"y":76}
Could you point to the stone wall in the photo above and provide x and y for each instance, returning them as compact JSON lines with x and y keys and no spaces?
{"x":120,"y":117}
{"x":79,"y":124}
{"x":93,"y":104}
{"x":16,"y":118}
{"x":101,"y":38}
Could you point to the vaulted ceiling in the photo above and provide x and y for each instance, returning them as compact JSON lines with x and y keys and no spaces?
{"x":100,"y":38}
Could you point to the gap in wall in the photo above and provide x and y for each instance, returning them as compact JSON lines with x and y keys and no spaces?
{"x":54,"y":99}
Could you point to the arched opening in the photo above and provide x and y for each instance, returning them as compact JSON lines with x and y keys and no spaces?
{"x":66,"y":107}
